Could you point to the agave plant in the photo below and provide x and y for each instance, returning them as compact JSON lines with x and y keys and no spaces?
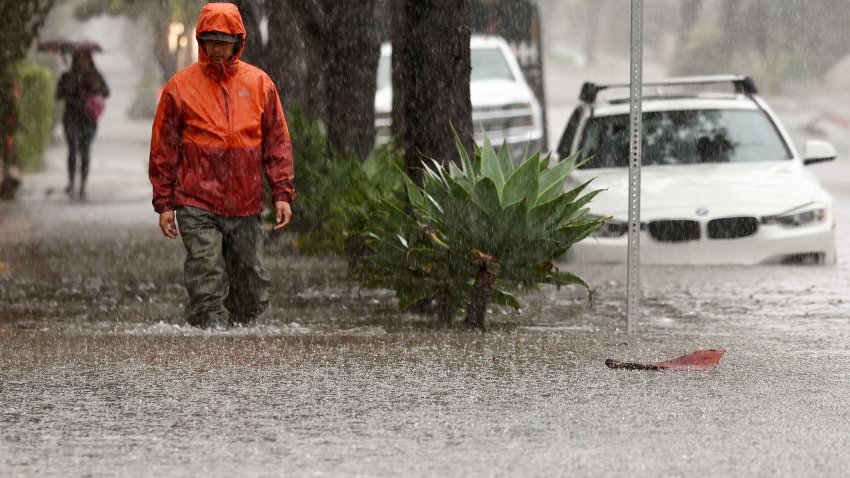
{"x":474,"y":231}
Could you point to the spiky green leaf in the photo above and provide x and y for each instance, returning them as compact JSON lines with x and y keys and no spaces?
{"x":505,"y":161}
{"x":490,"y":167}
{"x":523,"y":183}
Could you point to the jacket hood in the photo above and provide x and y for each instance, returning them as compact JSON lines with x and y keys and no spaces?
{"x":223,"y":18}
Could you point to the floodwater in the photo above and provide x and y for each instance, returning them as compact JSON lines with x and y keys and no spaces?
{"x":99,"y":376}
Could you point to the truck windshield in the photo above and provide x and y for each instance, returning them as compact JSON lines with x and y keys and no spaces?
{"x":487,"y":64}
{"x":490,"y":64}
{"x":685,"y":137}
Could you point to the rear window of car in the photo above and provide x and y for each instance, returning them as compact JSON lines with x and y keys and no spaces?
{"x":487,"y":64}
{"x":685,"y":137}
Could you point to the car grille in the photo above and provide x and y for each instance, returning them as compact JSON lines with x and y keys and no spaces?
{"x":732,"y":227}
{"x":674,"y":230}
{"x":502,"y":124}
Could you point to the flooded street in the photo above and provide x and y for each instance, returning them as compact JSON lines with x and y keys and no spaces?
{"x":100,"y":376}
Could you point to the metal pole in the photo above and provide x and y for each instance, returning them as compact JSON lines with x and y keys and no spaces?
{"x":636,"y":86}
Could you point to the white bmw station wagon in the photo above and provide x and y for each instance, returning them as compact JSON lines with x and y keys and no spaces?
{"x":721,"y":181}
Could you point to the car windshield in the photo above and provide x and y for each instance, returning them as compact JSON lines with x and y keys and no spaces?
{"x":685,"y":137}
{"x":487,"y":64}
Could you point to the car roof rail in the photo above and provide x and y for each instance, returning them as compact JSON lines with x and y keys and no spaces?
{"x":742,"y":84}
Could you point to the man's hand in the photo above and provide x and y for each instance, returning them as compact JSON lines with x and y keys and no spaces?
{"x":167,"y":224}
{"x":284,"y":214}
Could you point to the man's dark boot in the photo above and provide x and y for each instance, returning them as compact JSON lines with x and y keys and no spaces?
{"x":210,"y":322}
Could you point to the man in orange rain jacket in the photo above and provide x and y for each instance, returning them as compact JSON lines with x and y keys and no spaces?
{"x":220,"y":126}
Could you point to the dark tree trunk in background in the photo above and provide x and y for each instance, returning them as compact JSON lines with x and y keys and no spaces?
{"x":310,"y":17}
{"x":352,"y":50}
{"x":323,"y":54}
{"x":431,"y":68}
{"x":164,"y":58}
{"x":286,"y":58}
{"x":399,"y":77}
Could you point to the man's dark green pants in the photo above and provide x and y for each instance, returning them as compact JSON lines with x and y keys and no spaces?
{"x":223,"y":271}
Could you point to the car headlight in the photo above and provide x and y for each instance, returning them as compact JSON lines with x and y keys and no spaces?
{"x":802,"y":216}
{"x":610,"y":228}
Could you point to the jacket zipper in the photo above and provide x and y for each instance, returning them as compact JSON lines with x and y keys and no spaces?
{"x":226,"y":106}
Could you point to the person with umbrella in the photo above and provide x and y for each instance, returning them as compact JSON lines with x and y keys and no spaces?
{"x":83,"y":89}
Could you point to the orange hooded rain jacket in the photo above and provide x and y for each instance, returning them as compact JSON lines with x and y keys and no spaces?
{"x":218,"y":128}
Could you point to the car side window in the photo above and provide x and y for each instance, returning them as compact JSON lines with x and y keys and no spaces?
{"x":569,"y":134}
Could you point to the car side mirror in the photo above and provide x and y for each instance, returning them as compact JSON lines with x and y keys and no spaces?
{"x":818,"y":151}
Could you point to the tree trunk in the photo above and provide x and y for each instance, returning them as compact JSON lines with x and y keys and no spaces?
{"x":431,"y":71}
{"x":482,"y":290}
{"x":352,"y":50}
{"x":400,"y":82}
{"x":445,"y":306}
{"x":310,"y":16}
{"x":286,"y":57}
{"x":166,"y":60}
{"x":323,"y":55}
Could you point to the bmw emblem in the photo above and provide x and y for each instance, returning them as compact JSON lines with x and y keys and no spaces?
{"x":702,"y":211}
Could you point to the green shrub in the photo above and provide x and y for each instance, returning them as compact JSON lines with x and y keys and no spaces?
{"x":336,"y":194}
{"x":470,"y":233}
{"x":35,"y":114}
{"x":313,"y":165}
{"x":358,"y":189}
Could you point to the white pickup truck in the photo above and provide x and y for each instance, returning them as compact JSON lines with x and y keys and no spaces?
{"x":503,"y":104}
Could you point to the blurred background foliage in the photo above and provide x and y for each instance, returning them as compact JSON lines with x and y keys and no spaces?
{"x":35,"y":115}
{"x":23,"y":19}
{"x":158,"y":14}
{"x":336,"y":193}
